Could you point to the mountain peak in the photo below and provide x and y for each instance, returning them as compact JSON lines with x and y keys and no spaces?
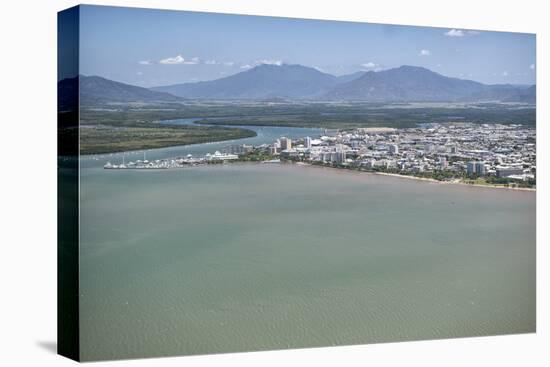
{"x":406,"y":83}
{"x":264,"y":81}
{"x":415,"y":84}
{"x":412,"y":68}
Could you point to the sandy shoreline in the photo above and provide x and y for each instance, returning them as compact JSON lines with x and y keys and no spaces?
{"x":426,"y":179}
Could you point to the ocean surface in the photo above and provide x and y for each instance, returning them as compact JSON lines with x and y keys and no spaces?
{"x":243,"y":257}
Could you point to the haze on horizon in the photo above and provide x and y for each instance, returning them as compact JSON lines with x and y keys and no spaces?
{"x":148,"y":47}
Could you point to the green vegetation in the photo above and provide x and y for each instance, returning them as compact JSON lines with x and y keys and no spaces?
{"x":107,"y":139}
{"x":354,"y":116}
{"x":492,"y":180}
{"x":327,"y":115}
{"x":109,"y":128}
{"x":131,"y":126}
{"x":256,"y":156}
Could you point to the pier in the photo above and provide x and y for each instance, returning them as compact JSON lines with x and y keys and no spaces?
{"x":177,"y":162}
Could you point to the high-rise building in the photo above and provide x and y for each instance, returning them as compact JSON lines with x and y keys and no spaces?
{"x":286,"y":143}
{"x":338,"y":157}
{"x":480,"y":168}
{"x":307,"y":142}
{"x":443,"y":162}
{"x":394,"y":149}
{"x":477,"y":168}
{"x":471,"y":168}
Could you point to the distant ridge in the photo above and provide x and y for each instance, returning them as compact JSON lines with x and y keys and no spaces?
{"x":402,"y":84}
{"x":297,"y":82}
{"x":412,"y":83}
{"x":95,"y":89}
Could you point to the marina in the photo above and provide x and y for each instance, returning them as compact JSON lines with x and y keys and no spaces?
{"x":178,"y":162}
{"x":492,"y":154}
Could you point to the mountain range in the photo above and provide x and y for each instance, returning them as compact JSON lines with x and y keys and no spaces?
{"x":297,"y":82}
{"x":261,"y":82}
{"x":402,"y":84}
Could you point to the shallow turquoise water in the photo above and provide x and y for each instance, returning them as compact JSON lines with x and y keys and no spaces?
{"x":251,"y":257}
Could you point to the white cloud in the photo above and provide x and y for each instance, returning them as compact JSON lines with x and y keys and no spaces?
{"x":211,"y":62}
{"x":144,"y":62}
{"x":229,"y":63}
{"x":425,"y":52}
{"x":460,"y":33}
{"x":369,"y":65}
{"x":173,"y":60}
{"x":179,"y":60}
{"x":455,"y":33}
{"x":139,"y":73}
{"x":532,"y":66}
{"x":504,"y":73}
{"x":269,"y":62}
{"x":246,"y":66}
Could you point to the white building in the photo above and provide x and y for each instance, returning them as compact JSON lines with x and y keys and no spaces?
{"x":443,"y":162}
{"x":286,"y":143}
{"x":217,"y":156}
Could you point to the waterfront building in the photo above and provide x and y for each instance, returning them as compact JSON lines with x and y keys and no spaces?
{"x":286,"y":143}
{"x":239,"y":149}
{"x":338,"y":157}
{"x":477,"y":168}
{"x":480,"y":168}
{"x":217,"y":156}
{"x":443,"y":162}
{"x":503,"y":172}
{"x":471,"y":168}
{"x":307,"y":142}
{"x":290,"y":153}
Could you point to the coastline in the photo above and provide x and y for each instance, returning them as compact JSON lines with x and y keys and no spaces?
{"x":396,"y":175}
{"x":453,"y":182}
{"x":89,"y":149}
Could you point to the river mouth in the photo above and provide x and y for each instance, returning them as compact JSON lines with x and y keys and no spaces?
{"x":264,"y":135}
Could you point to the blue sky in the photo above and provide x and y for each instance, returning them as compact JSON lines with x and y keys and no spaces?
{"x":157,"y":47}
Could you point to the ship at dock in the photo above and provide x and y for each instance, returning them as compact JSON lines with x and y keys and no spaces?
{"x":177,"y":162}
